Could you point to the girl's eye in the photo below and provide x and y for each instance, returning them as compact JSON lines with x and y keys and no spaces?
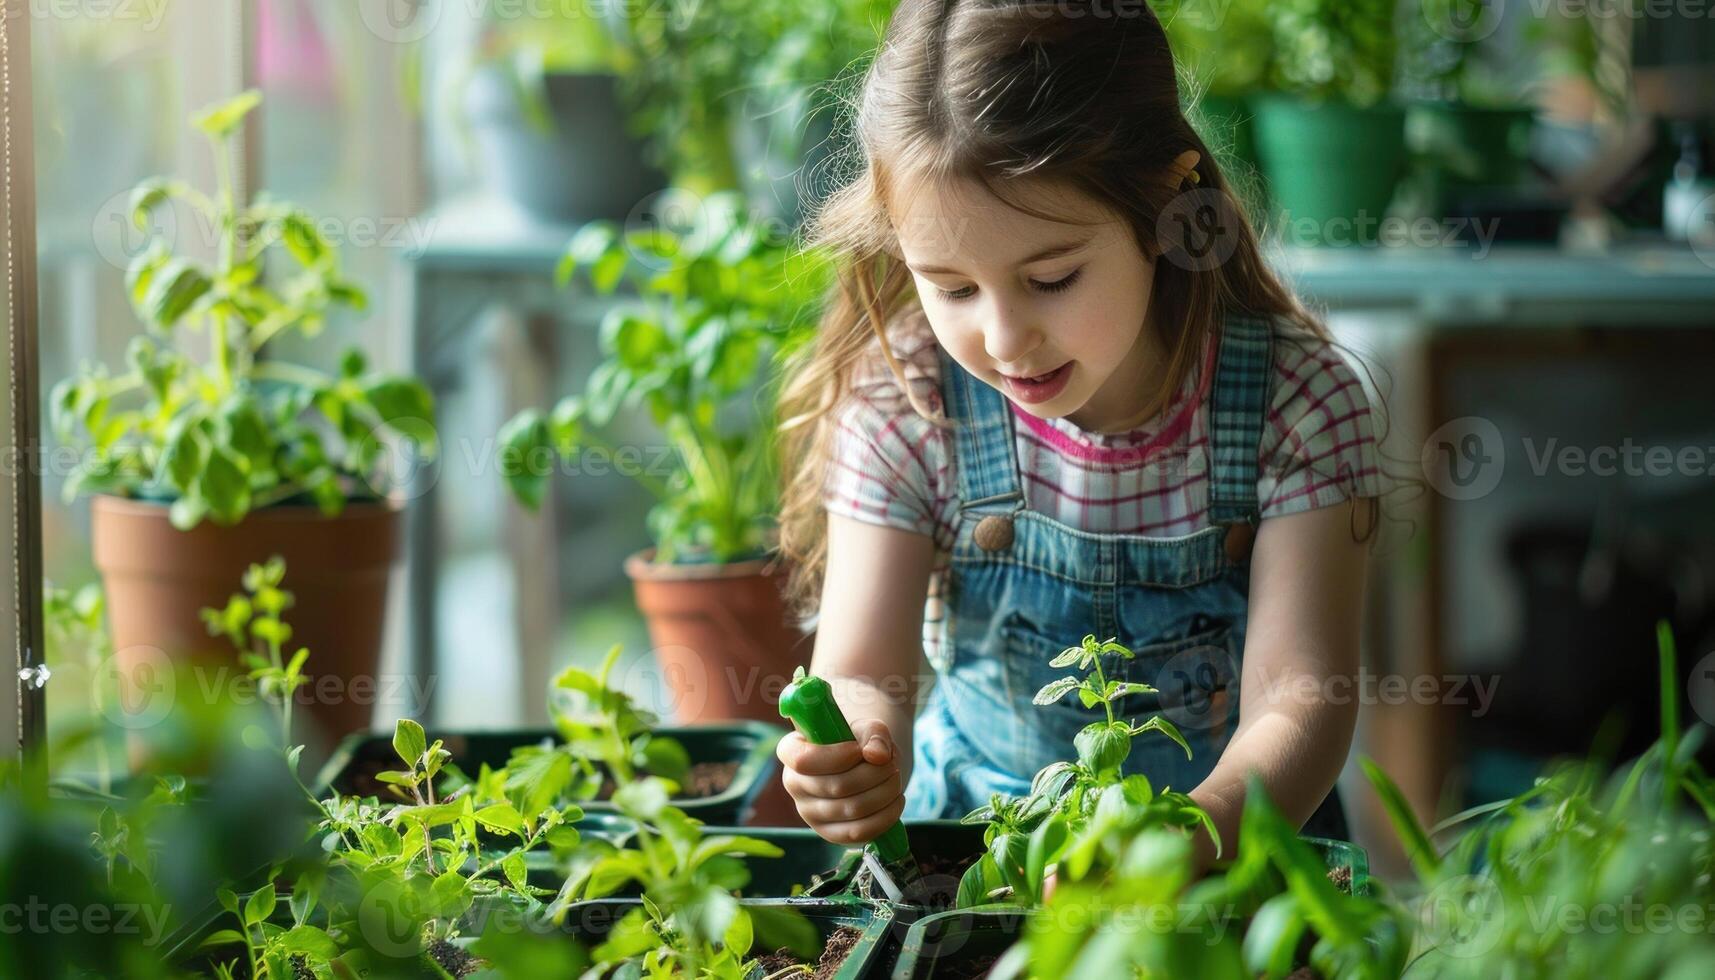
{"x":1057,"y":286}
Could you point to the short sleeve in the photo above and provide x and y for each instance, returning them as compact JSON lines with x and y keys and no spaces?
{"x":884,"y":465}
{"x":891,"y":465}
{"x":1319,"y":443}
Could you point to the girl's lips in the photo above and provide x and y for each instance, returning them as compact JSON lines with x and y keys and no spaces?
{"x":1040,"y":389}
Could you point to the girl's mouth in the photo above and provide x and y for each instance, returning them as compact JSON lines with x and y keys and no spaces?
{"x":1040,"y":388}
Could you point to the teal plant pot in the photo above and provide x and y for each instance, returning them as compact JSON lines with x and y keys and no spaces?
{"x":960,"y":943}
{"x":1332,"y":169}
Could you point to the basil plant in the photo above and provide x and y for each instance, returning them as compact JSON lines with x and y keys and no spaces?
{"x":718,"y":302}
{"x":222,"y":434}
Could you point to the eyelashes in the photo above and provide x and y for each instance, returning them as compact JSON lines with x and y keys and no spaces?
{"x":1057,"y":286}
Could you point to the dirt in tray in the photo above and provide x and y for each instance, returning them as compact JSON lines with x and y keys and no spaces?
{"x":1342,"y":878}
{"x":840,"y":945}
{"x":453,"y":959}
{"x":705,"y":779}
{"x":969,"y":968}
{"x":941,"y":873}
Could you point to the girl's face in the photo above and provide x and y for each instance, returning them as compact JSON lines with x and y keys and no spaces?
{"x":1014,"y":297}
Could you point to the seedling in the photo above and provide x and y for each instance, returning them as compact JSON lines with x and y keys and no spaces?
{"x":252,"y":620}
{"x":604,"y":733}
{"x":689,"y":924}
{"x":1074,"y":807}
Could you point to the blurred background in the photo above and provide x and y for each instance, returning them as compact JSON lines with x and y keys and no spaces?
{"x":1506,"y":209}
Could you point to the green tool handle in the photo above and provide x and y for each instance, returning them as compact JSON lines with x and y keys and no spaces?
{"x":809,"y":702}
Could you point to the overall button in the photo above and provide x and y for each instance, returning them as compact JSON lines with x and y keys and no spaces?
{"x":994,"y":533}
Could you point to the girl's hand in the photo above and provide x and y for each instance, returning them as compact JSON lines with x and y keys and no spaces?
{"x":849,"y":792}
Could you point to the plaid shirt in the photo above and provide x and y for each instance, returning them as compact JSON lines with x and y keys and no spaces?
{"x":892,"y":467}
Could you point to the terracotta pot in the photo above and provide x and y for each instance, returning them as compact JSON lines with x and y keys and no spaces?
{"x":725,"y":646}
{"x":158,"y":579}
{"x":722,"y":636}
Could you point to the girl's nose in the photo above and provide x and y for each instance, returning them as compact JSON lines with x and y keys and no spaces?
{"x":1010,"y":335}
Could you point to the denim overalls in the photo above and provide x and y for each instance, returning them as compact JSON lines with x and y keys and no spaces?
{"x":1022,"y":587}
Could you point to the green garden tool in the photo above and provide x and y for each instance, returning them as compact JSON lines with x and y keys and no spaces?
{"x":809,"y":702}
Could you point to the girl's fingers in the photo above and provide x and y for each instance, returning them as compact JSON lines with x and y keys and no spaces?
{"x":857,"y":806}
{"x":864,"y":830}
{"x":799,"y":755}
{"x":858,"y":779}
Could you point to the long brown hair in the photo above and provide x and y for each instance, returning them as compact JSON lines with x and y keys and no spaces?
{"x":1081,"y":94}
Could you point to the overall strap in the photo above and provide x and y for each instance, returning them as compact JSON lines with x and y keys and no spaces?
{"x":1238,"y":407}
{"x":987,"y":459}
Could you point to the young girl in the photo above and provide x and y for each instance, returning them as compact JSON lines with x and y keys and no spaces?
{"x":1058,"y":393}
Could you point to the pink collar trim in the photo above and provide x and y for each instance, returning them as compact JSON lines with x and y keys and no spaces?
{"x":1176,"y":427}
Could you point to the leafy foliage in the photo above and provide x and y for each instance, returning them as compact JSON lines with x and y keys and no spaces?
{"x":239,"y":432}
{"x":720,"y":300}
{"x":1590,"y":873}
{"x":1075,"y":809}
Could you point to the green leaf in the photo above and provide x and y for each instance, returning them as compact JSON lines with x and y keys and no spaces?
{"x":732,"y":845}
{"x":223,"y":937}
{"x":517,"y":873}
{"x":260,"y":905}
{"x":223,"y":487}
{"x":1047,"y":841}
{"x":501,"y":817}
{"x":1103,"y":747}
{"x":1066,"y":657}
{"x":219,"y":120}
{"x":147,"y":195}
{"x":1418,"y":847}
{"x":633,"y":340}
{"x":1271,"y":942}
{"x":1165,"y":727}
{"x":526,"y":457}
{"x":187,"y":511}
{"x":642,"y":800}
{"x":310,"y":941}
{"x":410,"y":742}
{"x":173,"y":286}
{"x":591,"y":244}
{"x":978,"y":880}
{"x":1055,"y":690}
{"x":181,"y":452}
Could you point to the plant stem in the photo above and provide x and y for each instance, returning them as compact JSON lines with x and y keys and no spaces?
{"x":294,"y":373}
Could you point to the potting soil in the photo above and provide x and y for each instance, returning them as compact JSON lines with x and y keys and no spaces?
{"x":841,"y":942}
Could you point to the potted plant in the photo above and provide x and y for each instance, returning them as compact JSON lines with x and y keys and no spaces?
{"x":740,"y":95}
{"x":1330,"y":141}
{"x":720,"y":302}
{"x":1468,"y":126}
{"x":197,"y":464}
{"x":538,"y":102}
